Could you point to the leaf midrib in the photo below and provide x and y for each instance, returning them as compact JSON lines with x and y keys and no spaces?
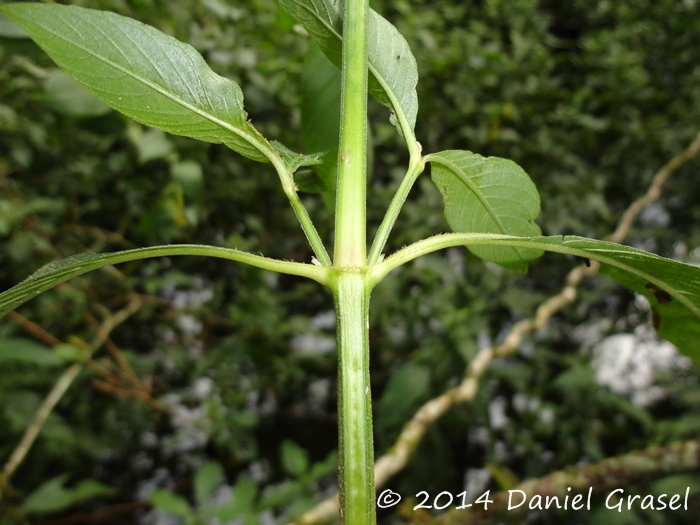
{"x":475,"y":190}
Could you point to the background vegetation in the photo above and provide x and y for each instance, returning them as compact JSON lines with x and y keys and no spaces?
{"x":217,"y":362}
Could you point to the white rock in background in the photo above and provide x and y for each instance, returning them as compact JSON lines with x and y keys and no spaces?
{"x":627,"y":363}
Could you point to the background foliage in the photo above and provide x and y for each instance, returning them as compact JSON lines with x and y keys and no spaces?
{"x":590,"y":98}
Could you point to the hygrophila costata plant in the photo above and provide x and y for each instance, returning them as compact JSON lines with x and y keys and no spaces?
{"x":490,"y":203}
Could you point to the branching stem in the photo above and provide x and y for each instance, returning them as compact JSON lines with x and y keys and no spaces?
{"x":415,"y":168}
{"x":287,"y":180}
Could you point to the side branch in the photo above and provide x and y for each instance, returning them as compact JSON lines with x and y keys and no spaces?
{"x":60,"y":271}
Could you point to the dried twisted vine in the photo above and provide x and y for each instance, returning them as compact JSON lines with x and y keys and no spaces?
{"x":608,"y":474}
{"x":397,"y":457}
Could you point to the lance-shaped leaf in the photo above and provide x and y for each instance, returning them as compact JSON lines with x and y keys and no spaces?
{"x":672,"y":288}
{"x":143,"y":73}
{"x":59,"y":272}
{"x":392,"y":66}
{"x":488,"y":195}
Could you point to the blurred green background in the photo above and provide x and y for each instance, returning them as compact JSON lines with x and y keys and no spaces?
{"x":591,"y":98}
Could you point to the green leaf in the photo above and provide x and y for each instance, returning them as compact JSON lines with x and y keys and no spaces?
{"x":676,"y":484}
{"x":320,"y":117}
{"x":324,"y":468}
{"x":672,"y":288}
{"x":280,"y":495}
{"x":171,"y":503}
{"x":49,"y":497}
{"x":70,"y":353}
{"x":90,"y":488}
{"x":58,"y":272}
{"x":207,"y":479}
{"x":241,"y":502}
{"x":405,"y":388}
{"x":292,"y":160}
{"x":488,"y":195}
{"x":295,"y":459}
{"x":672,"y":319}
{"x":392,"y":67}
{"x":143,"y":73}
{"x":27,"y":351}
{"x":394,"y":72}
{"x":52,"y":496}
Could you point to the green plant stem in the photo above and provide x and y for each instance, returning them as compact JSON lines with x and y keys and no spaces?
{"x":415,"y":168}
{"x":449,"y":240}
{"x":438,"y":242}
{"x":61,"y":271}
{"x":309,"y":230}
{"x":351,"y":288}
{"x":351,"y":294}
{"x":287,"y":180}
{"x":350,"y":223}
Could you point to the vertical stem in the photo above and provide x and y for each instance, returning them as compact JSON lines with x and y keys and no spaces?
{"x":351,"y":293}
{"x":350,"y":223}
{"x":355,"y":401}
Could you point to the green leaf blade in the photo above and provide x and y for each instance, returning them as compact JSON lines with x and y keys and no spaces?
{"x":321,"y":19}
{"x":674,"y":299}
{"x":320,"y":117}
{"x":26,"y":351}
{"x":145,"y":74}
{"x":241,"y":502}
{"x":672,"y":287}
{"x":53,"y":496}
{"x":488,"y":195}
{"x":206,"y":480}
{"x":295,"y":459}
{"x":393,"y":69}
{"x":171,"y":503}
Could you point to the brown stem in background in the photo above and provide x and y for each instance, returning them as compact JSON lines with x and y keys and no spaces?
{"x":606,"y":475}
{"x":33,"y":329}
{"x":116,"y":391}
{"x":59,"y":390}
{"x":654,"y":191}
{"x":112,"y":514}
